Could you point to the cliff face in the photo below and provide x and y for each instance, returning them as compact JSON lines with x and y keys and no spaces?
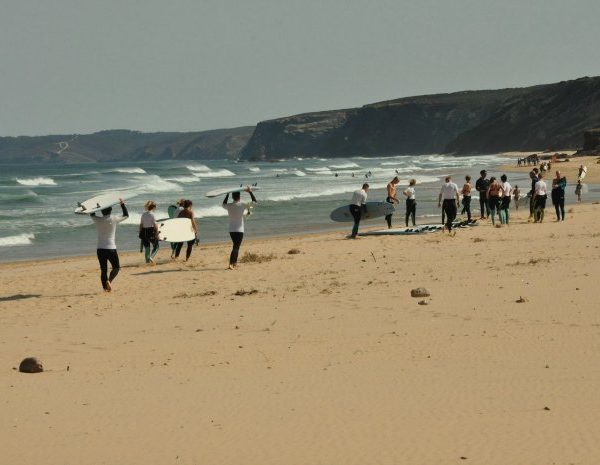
{"x":551,"y":117}
{"x":531,"y":118}
{"x":123,"y":145}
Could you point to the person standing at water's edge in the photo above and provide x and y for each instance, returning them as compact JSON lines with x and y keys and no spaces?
{"x":451,"y":200}
{"x":391,"y":198}
{"x":236,"y":211}
{"x":466,"y":197}
{"x":505,"y":201}
{"x":106,"y":227}
{"x":533,"y":175}
{"x":482,"y":186}
{"x":540,"y":195}
{"x":149,"y":232}
{"x":411,"y":202}
{"x":559,"y":183}
{"x":358,"y":204}
{"x":187,"y":212}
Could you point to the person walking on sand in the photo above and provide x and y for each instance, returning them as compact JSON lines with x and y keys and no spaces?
{"x":148,"y":232}
{"x":391,"y":198}
{"x":481,"y":186}
{"x":494,"y":194}
{"x":516,"y":195}
{"x":578,"y":189}
{"x":411,"y":202}
{"x":358,"y":204}
{"x":187,"y":212}
{"x":540,"y":195}
{"x":236,"y":211}
{"x":533,"y":175}
{"x":106,"y":227}
{"x":505,"y":201}
{"x":559,"y":183}
{"x":174,"y":213}
{"x":450,"y":195}
{"x":466,"y":197}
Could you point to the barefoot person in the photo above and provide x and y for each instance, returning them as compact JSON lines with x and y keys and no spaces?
{"x":391,"y":198}
{"x":236,"y":211}
{"x":540,"y":195}
{"x":533,"y":175}
{"x":481,"y":186}
{"x":450,"y":195}
{"x":578,"y":189}
{"x":149,"y":232}
{"x":106,"y":227}
{"x":494,"y":195}
{"x":466,"y":197}
{"x":357,"y":206}
{"x":411,"y":203}
{"x":174,"y":211}
{"x":187,"y":212}
{"x":559,"y":183}
{"x":505,"y":201}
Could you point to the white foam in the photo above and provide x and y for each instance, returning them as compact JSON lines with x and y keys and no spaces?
{"x":299,"y":173}
{"x":154,"y":183}
{"x":184,"y":179}
{"x":129,"y":170}
{"x":319,"y":169}
{"x":198,"y":168}
{"x":21,"y":239}
{"x":254,"y":169}
{"x":344,"y":166}
{"x":223,"y":173}
{"x":41,"y":181}
{"x":321,"y":193}
{"x":216,"y":210}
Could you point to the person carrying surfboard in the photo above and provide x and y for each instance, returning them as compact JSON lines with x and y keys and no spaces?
{"x":187,"y":212}
{"x":357,"y":205}
{"x":236,"y":211}
{"x":391,"y":198}
{"x":149,"y":232}
{"x":106,"y":226}
{"x":173,"y":211}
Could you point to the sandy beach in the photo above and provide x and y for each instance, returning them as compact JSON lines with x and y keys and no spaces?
{"x":318,"y":357}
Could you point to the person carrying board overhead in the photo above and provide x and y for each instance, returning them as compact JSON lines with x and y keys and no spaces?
{"x":106,"y":226}
{"x":357,"y":205}
{"x":236,"y":211}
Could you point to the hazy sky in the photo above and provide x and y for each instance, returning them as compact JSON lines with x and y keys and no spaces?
{"x":80,"y":66}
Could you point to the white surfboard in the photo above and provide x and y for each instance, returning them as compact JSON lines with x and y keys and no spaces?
{"x":100,"y":202}
{"x":175,"y":230}
{"x":229,"y":190}
{"x":583,"y":173}
{"x":374,"y":210}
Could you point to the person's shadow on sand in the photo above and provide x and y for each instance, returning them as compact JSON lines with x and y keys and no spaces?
{"x":10,"y":298}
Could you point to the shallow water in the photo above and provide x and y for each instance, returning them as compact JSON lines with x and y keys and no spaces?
{"x":295,"y":196}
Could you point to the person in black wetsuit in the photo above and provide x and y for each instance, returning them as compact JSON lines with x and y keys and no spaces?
{"x":482,"y":186}
{"x":533,"y":175}
{"x":559,"y":183}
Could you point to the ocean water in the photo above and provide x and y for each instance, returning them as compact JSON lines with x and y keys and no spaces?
{"x":295,"y":196}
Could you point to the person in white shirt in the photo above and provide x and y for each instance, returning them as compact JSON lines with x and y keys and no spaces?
{"x":106,"y":226}
{"x":149,"y":232}
{"x":236,"y":211}
{"x":540,"y":195}
{"x":505,"y":201}
{"x":411,"y":203}
{"x":357,"y":205}
{"x":450,"y":195}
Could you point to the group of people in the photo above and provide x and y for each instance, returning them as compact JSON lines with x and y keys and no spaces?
{"x":495,"y":196}
{"x":106,"y":225}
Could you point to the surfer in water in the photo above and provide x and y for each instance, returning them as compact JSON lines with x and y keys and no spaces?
{"x":187,"y":212}
{"x":149,"y":232}
{"x":357,"y":206}
{"x":236,"y":211}
{"x":106,"y":226}
{"x":391,"y":198}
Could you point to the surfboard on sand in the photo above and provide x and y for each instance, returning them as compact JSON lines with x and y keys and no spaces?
{"x":229,"y":190}
{"x":374,"y":210}
{"x":100,"y":202}
{"x":419,"y":229}
{"x":176,"y":230}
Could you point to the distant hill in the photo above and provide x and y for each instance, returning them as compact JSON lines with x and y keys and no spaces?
{"x":530,"y":118}
{"x":122,"y":145}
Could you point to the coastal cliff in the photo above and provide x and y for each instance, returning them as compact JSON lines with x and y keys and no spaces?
{"x":531,"y":118}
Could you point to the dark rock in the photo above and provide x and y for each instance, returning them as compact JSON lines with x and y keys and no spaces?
{"x":423,"y":302}
{"x":31,"y":365}
{"x":521,"y":300}
{"x":420,"y":292}
{"x":591,"y":139}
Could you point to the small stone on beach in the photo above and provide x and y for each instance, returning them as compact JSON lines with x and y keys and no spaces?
{"x":31,"y":365}
{"x":420,"y":292}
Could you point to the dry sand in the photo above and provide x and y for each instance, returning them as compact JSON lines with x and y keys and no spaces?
{"x":570,"y":168}
{"x":329,"y":362}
